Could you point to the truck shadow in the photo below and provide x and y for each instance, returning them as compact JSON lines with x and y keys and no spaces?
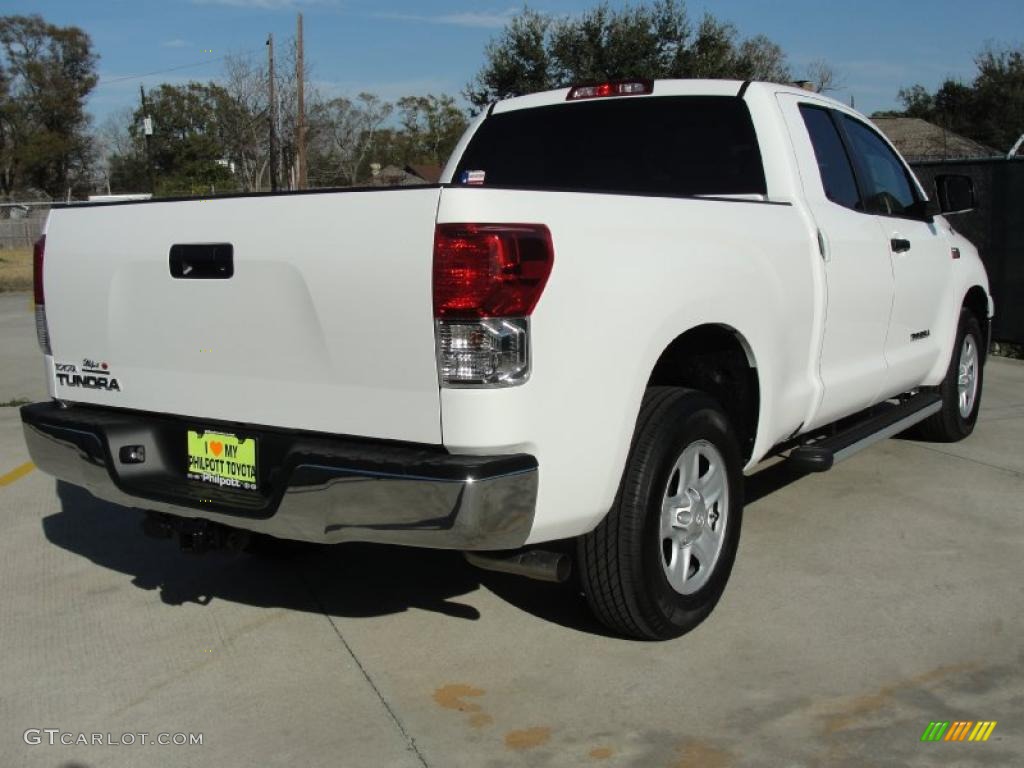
{"x":769,"y":480}
{"x":347,"y":580}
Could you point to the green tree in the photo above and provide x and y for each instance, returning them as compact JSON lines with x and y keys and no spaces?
{"x":989,"y":110}
{"x":430,"y":128}
{"x":518,"y":62}
{"x":536,"y":51}
{"x":189,"y":151}
{"x":46,"y":73}
{"x":917,"y":102}
{"x":999,"y":97}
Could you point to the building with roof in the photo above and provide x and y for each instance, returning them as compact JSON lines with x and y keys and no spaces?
{"x":921,"y":141}
{"x":431,"y":174}
{"x":410,"y":175}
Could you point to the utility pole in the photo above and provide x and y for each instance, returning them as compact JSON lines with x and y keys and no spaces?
{"x":273,"y":114}
{"x":147,"y":131}
{"x":301,"y":182}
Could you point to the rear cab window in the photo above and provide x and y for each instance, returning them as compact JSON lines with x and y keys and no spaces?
{"x":656,"y":145}
{"x":834,"y":164}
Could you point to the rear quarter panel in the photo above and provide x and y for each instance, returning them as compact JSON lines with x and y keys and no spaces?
{"x":630,"y":274}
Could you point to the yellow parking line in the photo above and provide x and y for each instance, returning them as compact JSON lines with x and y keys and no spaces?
{"x":17,"y":473}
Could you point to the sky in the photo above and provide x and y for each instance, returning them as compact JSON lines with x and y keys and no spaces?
{"x":396,"y":48}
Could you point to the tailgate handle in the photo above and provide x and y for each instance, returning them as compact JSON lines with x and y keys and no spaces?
{"x":202,"y":261}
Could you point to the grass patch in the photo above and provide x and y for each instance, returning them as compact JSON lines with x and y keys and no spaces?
{"x":16,"y":269}
{"x":15,"y":402}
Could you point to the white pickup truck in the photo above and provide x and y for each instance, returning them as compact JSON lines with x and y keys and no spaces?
{"x":619,"y":299}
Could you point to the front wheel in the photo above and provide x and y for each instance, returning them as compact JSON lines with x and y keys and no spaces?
{"x":657,"y":564}
{"x":961,"y":388}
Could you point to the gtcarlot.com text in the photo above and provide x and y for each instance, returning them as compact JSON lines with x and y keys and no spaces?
{"x":59,"y":737}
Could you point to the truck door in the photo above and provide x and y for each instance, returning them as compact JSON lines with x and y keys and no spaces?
{"x":855,"y":259}
{"x":919,"y":252}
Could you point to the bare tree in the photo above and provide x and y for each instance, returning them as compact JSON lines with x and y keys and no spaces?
{"x":246,"y":82}
{"x":113,"y":139}
{"x":823,"y":77}
{"x":760,"y":59}
{"x":347,"y":130}
{"x":245,"y":79}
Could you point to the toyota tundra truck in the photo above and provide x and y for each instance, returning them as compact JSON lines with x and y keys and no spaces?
{"x":620,"y":298}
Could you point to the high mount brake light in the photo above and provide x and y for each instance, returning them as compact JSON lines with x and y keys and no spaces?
{"x":617,"y":88}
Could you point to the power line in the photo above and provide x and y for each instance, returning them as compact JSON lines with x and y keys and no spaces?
{"x":101,"y":83}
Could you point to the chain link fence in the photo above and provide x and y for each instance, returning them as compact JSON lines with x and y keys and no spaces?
{"x":20,"y":227}
{"x":996,"y":227}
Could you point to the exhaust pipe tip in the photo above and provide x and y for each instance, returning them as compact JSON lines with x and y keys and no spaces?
{"x":538,"y":564}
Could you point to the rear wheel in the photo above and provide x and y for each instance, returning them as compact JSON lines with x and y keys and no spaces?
{"x":961,"y":388}
{"x":657,"y":564}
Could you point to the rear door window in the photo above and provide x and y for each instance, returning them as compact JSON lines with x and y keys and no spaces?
{"x":667,"y":145}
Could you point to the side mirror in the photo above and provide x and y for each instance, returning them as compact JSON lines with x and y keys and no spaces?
{"x":955,"y":193}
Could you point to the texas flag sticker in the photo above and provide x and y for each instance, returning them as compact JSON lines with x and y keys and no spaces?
{"x":472,"y":177}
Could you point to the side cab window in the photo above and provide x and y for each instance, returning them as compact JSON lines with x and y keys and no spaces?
{"x":885,"y":183}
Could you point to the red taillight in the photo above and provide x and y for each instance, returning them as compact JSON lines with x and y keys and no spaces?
{"x":490,"y":270}
{"x":618,"y":88}
{"x":42,"y":331}
{"x":37,"y":270}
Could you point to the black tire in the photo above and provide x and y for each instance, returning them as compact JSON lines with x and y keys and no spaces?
{"x":621,"y":561}
{"x":949,"y":425}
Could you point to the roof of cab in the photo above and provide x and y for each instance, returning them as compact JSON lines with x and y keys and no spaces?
{"x":682,"y":87}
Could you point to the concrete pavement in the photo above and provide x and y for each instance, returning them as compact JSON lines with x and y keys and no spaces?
{"x":20,"y":360}
{"x":865,"y":603}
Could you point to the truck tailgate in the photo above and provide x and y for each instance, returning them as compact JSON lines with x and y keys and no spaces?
{"x":326,"y":323}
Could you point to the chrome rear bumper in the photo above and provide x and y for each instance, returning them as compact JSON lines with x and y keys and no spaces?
{"x":312,"y":487}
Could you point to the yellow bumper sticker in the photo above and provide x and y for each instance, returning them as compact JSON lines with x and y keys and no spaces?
{"x":222,"y":459}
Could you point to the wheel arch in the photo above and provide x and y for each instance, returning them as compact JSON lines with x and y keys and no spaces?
{"x":718,"y":360}
{"x":976,"y":300}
